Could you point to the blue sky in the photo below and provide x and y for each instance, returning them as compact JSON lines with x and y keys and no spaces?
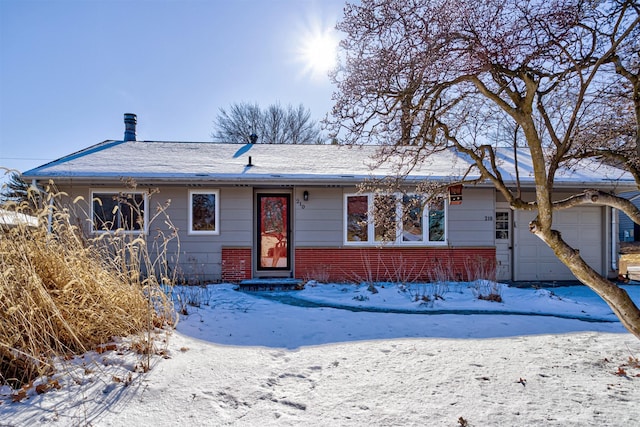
{"x":70,"y":69}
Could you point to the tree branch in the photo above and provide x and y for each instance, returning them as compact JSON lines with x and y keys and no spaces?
{"x":598,"y":197}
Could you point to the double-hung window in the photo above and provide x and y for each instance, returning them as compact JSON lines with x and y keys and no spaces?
{"x":204,"y":212}
{"x":113,"y":210}
{"x":407,"y":219}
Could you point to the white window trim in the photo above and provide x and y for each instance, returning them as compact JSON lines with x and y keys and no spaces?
{"x":345,"y":221}
{"x":398,"y":241}
{"x":190,"y":229}
{"x":508,"y":229}
{"x":114,"y":191}
{"x":445,"y":240}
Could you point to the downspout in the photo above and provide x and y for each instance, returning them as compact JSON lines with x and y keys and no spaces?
{"x":614,"y":239}
{"x":34,"y":184}
{"x":50,"y":217}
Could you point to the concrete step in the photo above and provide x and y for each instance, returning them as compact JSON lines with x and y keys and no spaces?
{"x":271,"y":284}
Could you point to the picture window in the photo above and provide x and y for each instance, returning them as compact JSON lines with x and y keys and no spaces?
{"x":399,"y":219}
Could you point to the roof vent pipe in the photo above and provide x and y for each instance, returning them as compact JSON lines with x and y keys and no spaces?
{"x":130,"y":121}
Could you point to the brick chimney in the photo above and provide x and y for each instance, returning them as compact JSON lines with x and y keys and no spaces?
{"x":130,"y":121}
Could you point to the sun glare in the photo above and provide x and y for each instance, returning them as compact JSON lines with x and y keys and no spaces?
{"x":317,"y":51}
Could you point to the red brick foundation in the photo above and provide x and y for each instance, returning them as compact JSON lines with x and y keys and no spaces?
{"x":372,"y":264}
{"x":393,"y":264}
{"x":236,"y":264}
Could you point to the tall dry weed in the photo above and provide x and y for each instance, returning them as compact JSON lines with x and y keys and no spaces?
{"x":62,"y":293}
{"x":482,"y":275}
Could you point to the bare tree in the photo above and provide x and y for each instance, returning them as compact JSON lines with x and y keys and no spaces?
{"x":614,"y":133}
{"x":238,"y":123}
{"x":274,"y":125}
{"x":422,"y":76}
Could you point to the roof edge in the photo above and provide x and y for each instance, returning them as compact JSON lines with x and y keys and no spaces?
{"x":92,"y":149}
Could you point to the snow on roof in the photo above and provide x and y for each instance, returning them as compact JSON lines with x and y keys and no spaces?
{"x":582,"y":172}
{"x":207,"y":161}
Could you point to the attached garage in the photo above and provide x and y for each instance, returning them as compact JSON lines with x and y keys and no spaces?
{"x":580,"y":227}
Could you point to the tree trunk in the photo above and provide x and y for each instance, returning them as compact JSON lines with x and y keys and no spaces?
{"x":617,"y":298}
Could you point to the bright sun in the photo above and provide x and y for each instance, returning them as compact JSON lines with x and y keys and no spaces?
{"x":318,"y":50}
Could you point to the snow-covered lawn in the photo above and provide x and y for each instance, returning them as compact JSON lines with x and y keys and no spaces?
{"x":383,"y":359}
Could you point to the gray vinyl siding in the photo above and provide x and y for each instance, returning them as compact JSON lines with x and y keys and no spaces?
{"x":321,"y":221}
{"x":201,"y":255}
{"x":472,"y":222}
{"x":626,"y":227}
{"x":236,"y":215}
{"x":318,"y":221}
{"x":81,"y":209}
{"x":192,"y":256}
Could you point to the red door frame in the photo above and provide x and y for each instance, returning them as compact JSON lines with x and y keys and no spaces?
{"x":273,"y":236}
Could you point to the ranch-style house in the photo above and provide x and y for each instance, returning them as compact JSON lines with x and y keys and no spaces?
{"x":251,"y":211}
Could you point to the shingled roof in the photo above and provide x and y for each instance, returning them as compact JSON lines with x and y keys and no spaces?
{"x":158,"y":161}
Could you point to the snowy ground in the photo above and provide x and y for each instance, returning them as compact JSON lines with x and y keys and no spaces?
{"x":248,"y":360}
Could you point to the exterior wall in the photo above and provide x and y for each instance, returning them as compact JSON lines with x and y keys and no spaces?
{"x":199,"y":257}
{"x":391,"y":264}
{"x":318,"y":221}
{"x":194,"y":258}
{"x":320,"y":252}
{"x":318,"y":235}
{"x":471,"y":223}
{"x":236,"y":264}
{"x":627,"y":227}
{"x":318,"y":243}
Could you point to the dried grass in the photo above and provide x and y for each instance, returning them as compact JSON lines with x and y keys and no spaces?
{"x":482,"y":274}
{"x":63,"y":294}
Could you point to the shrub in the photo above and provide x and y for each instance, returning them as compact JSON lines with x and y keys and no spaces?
{"x":487,"y":290}
{"x":419,"y":292}
{"x":482,"y":273}
{"x":319,"y":273}
{"x":186,"y":296}
{"x":62,"y":293}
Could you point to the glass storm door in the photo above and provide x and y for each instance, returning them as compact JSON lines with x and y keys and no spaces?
{"x":273,"y":214}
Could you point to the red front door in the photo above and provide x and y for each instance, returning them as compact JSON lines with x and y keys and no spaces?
{"x":273,"y":236}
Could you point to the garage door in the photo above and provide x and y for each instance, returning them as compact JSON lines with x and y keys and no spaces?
{"x":580,"y":227}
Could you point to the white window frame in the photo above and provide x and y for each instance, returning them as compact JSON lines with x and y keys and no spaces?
{"x":216,"y":231}
{"x":114,"y":192}
{"x":370,"y":228}
{"x":399,"y":223}
{"x":445,"y":238}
